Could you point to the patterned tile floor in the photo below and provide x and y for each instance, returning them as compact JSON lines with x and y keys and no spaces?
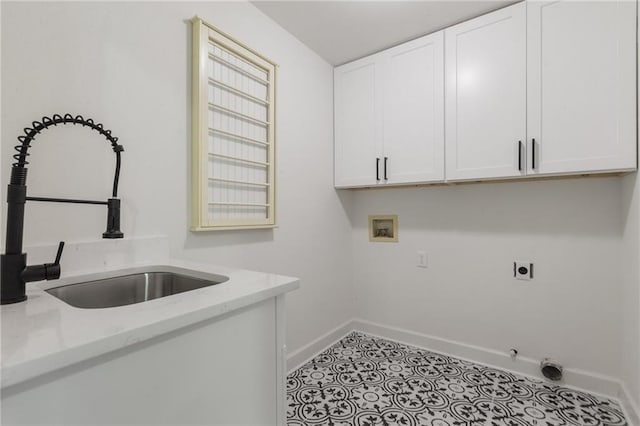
{"x":368,"y":381}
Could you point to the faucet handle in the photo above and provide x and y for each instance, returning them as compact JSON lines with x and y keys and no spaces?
{"x":48,"y":271}
{"x":52,"y":270}
{"x":59,"y":253}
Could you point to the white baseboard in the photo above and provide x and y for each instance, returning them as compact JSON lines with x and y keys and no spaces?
{"x":582,"y":380}
{"x":630,"y":407}
{"x":306,"y":353}
{"x":574,"y":378}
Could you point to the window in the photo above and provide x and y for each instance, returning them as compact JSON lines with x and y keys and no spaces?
{"x":233,"y":111}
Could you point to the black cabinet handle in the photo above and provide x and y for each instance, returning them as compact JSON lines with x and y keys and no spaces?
{"x":385,"y":167}
{"x":533,"y":154}
{"x":520,"y":156}
{"x":377,"y":168}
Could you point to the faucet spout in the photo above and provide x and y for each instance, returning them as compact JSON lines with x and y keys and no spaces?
{"x":15,"y":272}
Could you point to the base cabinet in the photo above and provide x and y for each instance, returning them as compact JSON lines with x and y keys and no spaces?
{"x":223,"y":371}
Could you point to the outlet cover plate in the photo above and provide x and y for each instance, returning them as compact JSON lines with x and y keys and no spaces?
{"x":523,"y":270}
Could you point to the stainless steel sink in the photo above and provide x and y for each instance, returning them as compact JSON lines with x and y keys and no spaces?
{"x":128,"y":289}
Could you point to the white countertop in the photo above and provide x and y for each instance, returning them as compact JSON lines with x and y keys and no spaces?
{"x":44,"y":333}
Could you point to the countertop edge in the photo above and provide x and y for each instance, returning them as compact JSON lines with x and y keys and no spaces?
{"x":11,"y":375}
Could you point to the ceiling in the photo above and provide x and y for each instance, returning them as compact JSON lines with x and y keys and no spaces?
{"x":341,"y":31}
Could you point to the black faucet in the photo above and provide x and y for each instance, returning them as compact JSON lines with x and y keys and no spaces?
{"x":14,"y":270}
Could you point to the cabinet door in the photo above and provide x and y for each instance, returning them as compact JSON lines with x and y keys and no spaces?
{"x":357,"y":93}
{"x":485,"y":99}
{"x":413,"y":138}
{"x":581,"y":86}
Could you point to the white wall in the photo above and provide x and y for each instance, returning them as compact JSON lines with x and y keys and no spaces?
{"x":569,"y":229}
{"x":630,"y":303}
{"x":128,"y":65}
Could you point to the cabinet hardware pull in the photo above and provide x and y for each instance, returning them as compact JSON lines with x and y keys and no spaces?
{"x":533,"y":153}
{"x":385,"y":167}
{"x":520,"y":156}
{"x":377,"y":168}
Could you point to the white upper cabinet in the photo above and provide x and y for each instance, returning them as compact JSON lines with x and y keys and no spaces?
{"x":485,"y":74}
{"x":389,"y":116}
{"x":413,"y":138}
{"x":581,"y":86}
{"x":357,"y":122}
{"x":538,"y":88}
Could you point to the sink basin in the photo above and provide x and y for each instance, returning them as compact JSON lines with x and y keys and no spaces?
{"x":128,"y":289}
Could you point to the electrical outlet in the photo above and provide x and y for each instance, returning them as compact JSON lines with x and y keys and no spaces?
{"x":422,"y":259}
{"x":522,"y":270}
